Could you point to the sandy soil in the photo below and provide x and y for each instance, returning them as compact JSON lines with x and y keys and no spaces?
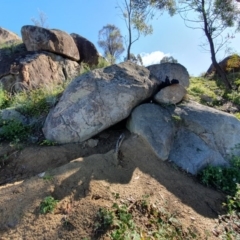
{"x":85,"y":178}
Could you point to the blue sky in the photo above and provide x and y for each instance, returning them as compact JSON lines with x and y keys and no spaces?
{"x":87,"y":17}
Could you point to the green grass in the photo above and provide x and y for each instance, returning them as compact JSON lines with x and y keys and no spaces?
{"x":8,"y":49}
{"x":35,"y":103}
{"x":212,"y":92}
{"x":200,"y":86}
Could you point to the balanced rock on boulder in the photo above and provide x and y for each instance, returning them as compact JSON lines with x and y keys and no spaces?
{"x":56,"y":41}
{"x":170,"y":70}
{"x":97,"y":100}
{"x":173,"y":80}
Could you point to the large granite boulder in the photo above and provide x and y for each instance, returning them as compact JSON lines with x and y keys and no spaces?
{"x":154,"y":124}
{"x":8,"y":37}
{"x":88,"y":51}
{"x":206,"y":136}
{"x":98,"y":100}
{"x":172,"y":70}
{"x":218,"y":129}
{"x":55,"y":41}
{"x":34,"y":70}
{"x":200,"y":136}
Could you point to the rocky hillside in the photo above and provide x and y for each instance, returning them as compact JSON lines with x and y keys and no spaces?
{"x":113,"y":137}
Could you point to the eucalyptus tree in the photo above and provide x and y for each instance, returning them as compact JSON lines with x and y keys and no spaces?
{"x":136,"y":21}
{"x":213,"y":17}
{"x":111,"y":41}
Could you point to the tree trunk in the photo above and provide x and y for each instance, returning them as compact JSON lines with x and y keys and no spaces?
{"x":212,"y":50}
{"x":130,"y":38}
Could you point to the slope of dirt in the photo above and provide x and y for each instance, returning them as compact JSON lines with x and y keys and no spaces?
{"x":18,"y":164}
{"x":88,"y":183}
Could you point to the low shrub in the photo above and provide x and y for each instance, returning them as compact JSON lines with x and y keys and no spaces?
{"x":48,"y":205}
{"x":223,"y":178}
{"x":13,"y":130}
{"x":233,"y":202}
{"x":123,"y":221}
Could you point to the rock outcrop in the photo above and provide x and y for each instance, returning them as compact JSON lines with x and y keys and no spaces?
{"x":228,"y":64}
{"x":89,"y":53}
{"x":189,"y":134}
{"x":55,"y":41}
{"x":46,"y":56}
{"x":200,"y":136}
{"x":8,"y":37}
{"x":98,"y":100}
{"x":38,"y":69}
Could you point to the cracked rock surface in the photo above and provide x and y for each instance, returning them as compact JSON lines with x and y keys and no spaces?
{"x":191,"y":135}
{"x":97,"y":100}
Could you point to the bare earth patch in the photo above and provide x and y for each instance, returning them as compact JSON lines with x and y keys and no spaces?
{"x":86,"y":184}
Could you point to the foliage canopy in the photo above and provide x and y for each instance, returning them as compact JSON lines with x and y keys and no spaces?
{"x":111,"y":41}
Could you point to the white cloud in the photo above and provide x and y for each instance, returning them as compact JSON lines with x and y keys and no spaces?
{"x":152,"y":58}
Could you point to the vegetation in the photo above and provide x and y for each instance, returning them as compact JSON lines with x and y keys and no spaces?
{"x":214,"y":18}
{"x":46,"y":142}
{"x":48,"y":205}
{"x":41,"y":21}
{"x":9,"y":48}
{"x":14,"y":130}
{"x":233,"y":202}
{"x":226,"y":179}
{"x":124,"y":221}
{"x":102,"y":62}
{"x":121,"y":221}
{"x":136,"y":59}
{"x":201,"y":86}
{"x":213,"y":93}
{"x":223,"y":177}
{"x":35,"y":103}
{"x":169,"y":59}
{"x":136,"y":22}
{"x":110,"y":40}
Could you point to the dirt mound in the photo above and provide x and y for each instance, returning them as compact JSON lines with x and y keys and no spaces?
{"x":86,"y":184}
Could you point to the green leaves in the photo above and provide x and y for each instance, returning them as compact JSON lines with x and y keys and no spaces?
{"x":48,"y":205}
{"x":139,"y":220}
{"x":111,"y":41}
{"x":223,"y":178}
{"x":14,"y":130}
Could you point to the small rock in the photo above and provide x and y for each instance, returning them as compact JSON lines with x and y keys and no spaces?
{"x":92,"y":143}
